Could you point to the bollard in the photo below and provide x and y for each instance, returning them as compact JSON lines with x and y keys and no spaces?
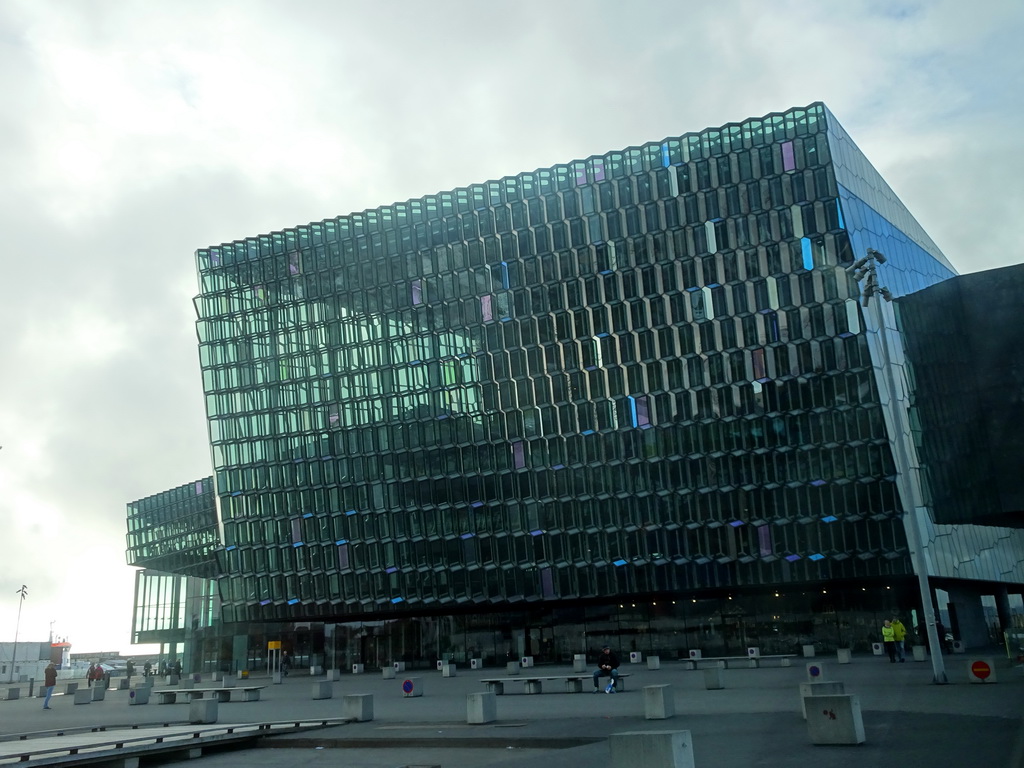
{"x":316,"y":670}
{"x":172,"y":679}
{"x":387,"y":673}
{"x":526,"y":661}
{"x":83,"y":696}
{"x":809,"y":690}
{"x":99,"y":693}
{"x":659,"y":702}
{"x":357,"y":706}
{"x":399,"y":666}
{"x":440,"y":663}
{"x":334,"y":675}
{"x":636,"y":657}
{"x":512,"y":668}
{"x":843,"y":655}
{"x":808,"y":651}
{"x":754,"y":652}
{"x":476,"y":663}
{"x":322,"y":689}
{"x":124,"y":684}
{"x":651,"y":749}
{"x":412,"y":687}
{"x":139,"y":695}
{"x":835,"y":719}
{"x":70,"y":688}
{"x":579,"y":662}
{"x":202,"y":711}
{"x":357,"y":669}
{"x":654,"y":662}
{"x":920,"y":653}
{"x":13,"y":693}
{"x":694,"y":654}
{"x":276,"y":678}
{"x":481,"y":708}
{"x":188,"y":685}
{"x":877,"y":649}
{"x":230,"y":681}
{"x":448,"y":669}
{"x":713,"y":678}
{"x":815,"y":672}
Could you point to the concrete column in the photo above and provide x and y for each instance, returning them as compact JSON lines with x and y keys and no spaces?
{"x":481,"y":708}
{"x":659,"y":702}
{"x":651,"y":749}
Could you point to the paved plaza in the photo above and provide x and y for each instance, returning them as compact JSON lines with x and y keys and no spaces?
{"x":755,"y":720}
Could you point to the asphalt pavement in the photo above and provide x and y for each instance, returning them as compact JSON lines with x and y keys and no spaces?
{"x":754,"y":720}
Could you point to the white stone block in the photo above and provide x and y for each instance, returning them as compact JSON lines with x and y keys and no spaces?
{"x":808,"y":690}
{"x":843,"y":655}
{"x":14,"y":693}
{"x":357,"y":669}
{"x":440,"y":663}
{"x":512,"y":668}
{"x":412,"y":687}
{"x":654,"y":662}
{"x":651,"y":749}
{"x":202,"y":711}
{"x":713,"y":678}
{"x":387,"y":673}
{"x":959,"y":647}
{"x":815,"y":672}
{"x":920,"y":653}
{"x":878,"y":649}
{"x":754,"y":652}
{"x":481,"y":708}
{"x":399,"y":666}
{"x":357,"y":706}
{"x":139,"y":695}
{"x":83,"y":696}
{"x":334,"y":675}
{"x":695,"y":654}
{"x":579,"y":662}
{"x":448,"y":670}
{"x":476,"y":663}
{"x":636,"y":657}
{"x":316,"y":671}
{"x":230,"y":681}
{"x":808,"y":651}
{"x":659,"y":702}
{"x":526,"y":661}
{"x":99,"y":693}
{"x":835,"y":719}
{"x":323,"y":689}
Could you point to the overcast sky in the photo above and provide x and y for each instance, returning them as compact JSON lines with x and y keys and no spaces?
{"x":133,"y":133}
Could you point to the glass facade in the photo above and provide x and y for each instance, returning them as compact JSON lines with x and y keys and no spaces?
{"x":175,"y":531}
{"x":638,"y":375}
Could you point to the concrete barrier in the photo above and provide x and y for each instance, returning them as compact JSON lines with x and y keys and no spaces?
{"x":815,"y":672}
{"x":920,"y":653}
{"x":202,"y":711}
{"x":878,"y":649}
{"x":99,"y":693}
{"x":481,"y":708}
{"x":659,"y":702}
{"x":316,"y":671}
{"x":694,"y":654}
{"x":713,"y":678}
{"x":512,"y":668}
{"x":754,"y":652}
{"x":323,"y":689}
{"x":124,"y":684}
{"x":70,"y":688}
{"x":230,"y":681}
{"x":959,"y":647}
{"x":835,"y":719}
{"x":412,"y":687}
{"x":277,"y":678}
{"x":808,"y":651}
{"x":13,"y":693}
{"x":399,"y":666}
{"x":187,"y":685}
{"x":809,"y":690}
{"x":476,"y":663}
{"x":440,"y":663}
{"x":448,"y":669}
{"x":654,"y":662}
{"x":357,"y":706}
{"x":651,"y":749}
{"x":981,"y":670}
{"x":579,"y":662}
{"x":218,"y":676}
{"x":387,"y":673}
{"x":526,"y":661}
{"x":636,"y":657}
{"x":83,"y":696}
{"x":139,"y":695}
{"x":170,"y":680}
{"x":357,"y":669}
{"x":334,"y":675}
{"x":843,"y":655}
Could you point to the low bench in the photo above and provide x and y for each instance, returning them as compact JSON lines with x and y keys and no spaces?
{"x":753,"y":662}
{"x":533,"y":683}
{"x":223,"y":695}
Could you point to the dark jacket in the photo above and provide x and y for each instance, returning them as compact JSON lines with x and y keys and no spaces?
{"x":50,"y":676}
{"x":608,"y":660}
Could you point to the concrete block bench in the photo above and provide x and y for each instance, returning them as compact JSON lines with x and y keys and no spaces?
{"x":534,"y":683}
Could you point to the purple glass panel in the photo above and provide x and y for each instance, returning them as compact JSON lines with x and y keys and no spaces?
{"x":581,"y":177}
{"x":485,"y":308}
{"x":599,"y":170}
{"x":293,"y":263}
{"x":296,"y":532}
{"x":764,"y":540}
{"x":757,"y":358}
{"x":417,"y":292}
{"x":642,"y":416}
{"x":343,"y":556}
{"x":332,"y":415}
{"x":547,"y":583}
{"x":788,"y":160}
{"x":199,"y":487}
{"x":518,"y":455}
{"x":215,"y":257}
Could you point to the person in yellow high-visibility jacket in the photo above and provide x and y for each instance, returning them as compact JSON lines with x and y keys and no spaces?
{"x":889,"y":640}
{"x":900,"y":635}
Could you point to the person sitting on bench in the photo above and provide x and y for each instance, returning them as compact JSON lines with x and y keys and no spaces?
{"x":607,"y":664}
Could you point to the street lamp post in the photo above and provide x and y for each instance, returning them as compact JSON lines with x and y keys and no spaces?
{"x":864,"y":272}
{"x":17,"y":627}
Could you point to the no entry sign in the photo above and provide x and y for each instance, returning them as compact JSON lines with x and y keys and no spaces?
{"x":981,"y":671}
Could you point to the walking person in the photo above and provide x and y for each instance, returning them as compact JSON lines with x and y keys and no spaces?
{"x":899,"y":632}
{"x":607,"y":664}
{"x":89,"y":675}
{"x":889,"y":640}
{"x":49,"y":681}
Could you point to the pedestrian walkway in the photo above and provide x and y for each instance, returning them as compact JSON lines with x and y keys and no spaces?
{"x":754,"y":720}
